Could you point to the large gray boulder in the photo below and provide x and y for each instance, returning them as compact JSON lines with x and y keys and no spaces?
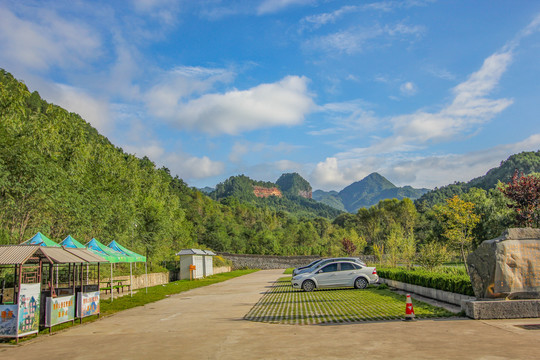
{"x":507,"y":267}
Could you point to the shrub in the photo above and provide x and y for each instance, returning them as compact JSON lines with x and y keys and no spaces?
{"x":221,"y":261}
{"x":452,"y":280}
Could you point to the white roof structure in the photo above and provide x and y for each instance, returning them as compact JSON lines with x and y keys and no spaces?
{"x":191,"y":252}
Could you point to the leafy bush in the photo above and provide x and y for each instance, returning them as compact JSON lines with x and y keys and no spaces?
{"x":451,"y":279}
{"x":220,"y":261}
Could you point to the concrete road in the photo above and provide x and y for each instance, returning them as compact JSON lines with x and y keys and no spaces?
{"x":206,"y":323}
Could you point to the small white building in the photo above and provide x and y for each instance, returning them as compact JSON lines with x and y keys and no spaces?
{"x":208,"y":263}
{"x":190,"y":257}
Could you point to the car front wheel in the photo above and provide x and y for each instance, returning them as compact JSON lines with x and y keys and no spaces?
{"x":360,"y":283}
{"x":308,"y":285}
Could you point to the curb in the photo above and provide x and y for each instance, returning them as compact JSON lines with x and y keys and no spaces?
{"x":441,"y":295}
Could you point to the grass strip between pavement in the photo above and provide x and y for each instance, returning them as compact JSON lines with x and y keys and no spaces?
{"x":284,"y":305}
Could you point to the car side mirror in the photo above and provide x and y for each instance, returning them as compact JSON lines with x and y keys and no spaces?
{"x":320,"y":271}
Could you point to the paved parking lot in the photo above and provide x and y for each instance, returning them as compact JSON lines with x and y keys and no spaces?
{"x":207,"y":323}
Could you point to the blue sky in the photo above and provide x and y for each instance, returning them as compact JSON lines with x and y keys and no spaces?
{"x":424,"y":92}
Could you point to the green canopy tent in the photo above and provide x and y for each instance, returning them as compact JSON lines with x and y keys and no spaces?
{"x":108,"y":254}
{"x":41,"y":240}
{"x":134,"y":257}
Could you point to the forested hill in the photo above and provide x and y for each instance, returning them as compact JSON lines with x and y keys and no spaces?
{"x":367,"y":192}
{"x":525,"y":162}
{"x":291,"y":193}
{"x":58,"y":175}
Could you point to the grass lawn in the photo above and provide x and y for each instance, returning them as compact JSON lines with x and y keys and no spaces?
{"x":284,"y":305}
{"x":288,"y":271}
{"x":140,"y":298}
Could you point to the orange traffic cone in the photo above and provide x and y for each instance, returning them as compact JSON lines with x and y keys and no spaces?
{"x":409,"y":310}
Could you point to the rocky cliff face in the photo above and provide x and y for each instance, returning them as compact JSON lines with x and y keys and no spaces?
{"x":263,"y":192}
{"x":305,"y":193}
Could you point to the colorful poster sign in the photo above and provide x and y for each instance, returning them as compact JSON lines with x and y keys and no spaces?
{"x":60,"y":310}
{"x":88,"y":304}
{"x":8,"y":320}
{"x":29,"y":308}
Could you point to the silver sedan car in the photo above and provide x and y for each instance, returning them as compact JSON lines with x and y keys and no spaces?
{"x":336,"y":274}
{"x":318,"y":263}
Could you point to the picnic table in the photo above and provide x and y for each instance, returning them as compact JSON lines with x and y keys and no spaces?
{"x":116,"y":284}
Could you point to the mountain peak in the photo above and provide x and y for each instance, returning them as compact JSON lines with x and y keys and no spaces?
{"x":374,"y":182}
{"x":295,"y":184}
{"x":368,"y":192}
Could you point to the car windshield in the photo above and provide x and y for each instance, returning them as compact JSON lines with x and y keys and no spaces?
{"x":312,"y":263}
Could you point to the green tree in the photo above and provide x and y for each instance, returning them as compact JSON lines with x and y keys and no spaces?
{"x":432,"y":255}
{"x":458,"y":220}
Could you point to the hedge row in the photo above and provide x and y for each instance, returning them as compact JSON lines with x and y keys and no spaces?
{"x":456,"y":283}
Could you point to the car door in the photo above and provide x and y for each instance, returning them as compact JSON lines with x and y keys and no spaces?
{"x":346,"y":274}
{"x":326,"y":276}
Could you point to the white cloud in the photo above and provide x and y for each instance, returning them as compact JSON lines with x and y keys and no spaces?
{"x":190,"y":167}
{"x":153,"y":151}
{"x":469,"y":109}
{"x":355,"y":40}
{"x":238,"y":151}
{"x":440,"y":73}
{"x":164,"y":11}
{"x":165,"y":98}
{"x":440,"y":170}
{"x":184,"y":165}
{"x":327,"y":174}
{"x":272,"y":6}
{"x":95,"y":111}
{"x":287,"y":165}
{"x":45,"y":41}
{"x":421,"y":171}
{"x":350,"y":117}
{"x":284,"y":103}
{"x":316,"y":21}
{"x":408,"y":88}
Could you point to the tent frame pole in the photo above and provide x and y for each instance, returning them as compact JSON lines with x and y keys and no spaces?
{"x":112,"y":287}
{"x":130,"y":279}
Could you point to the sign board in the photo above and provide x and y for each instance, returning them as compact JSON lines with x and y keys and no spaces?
{"x":8,"y":320}
{"x":29,"y":299}
{"x":88,"y":304}
{"x":60,"y":310}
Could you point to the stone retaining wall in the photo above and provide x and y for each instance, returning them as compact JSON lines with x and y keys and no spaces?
{"x":265,"y":262}
{"x":221,"y":269}
{"x":139,"y":281}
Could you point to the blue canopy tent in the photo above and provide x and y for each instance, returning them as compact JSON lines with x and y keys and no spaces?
{"x":41,"y":240}
{"x":70,"y":242}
